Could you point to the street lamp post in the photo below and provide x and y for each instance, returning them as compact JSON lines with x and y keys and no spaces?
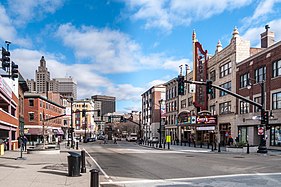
{"x":71,"y":123}
{"x":262,"y":146}
{"x":160,"y":129}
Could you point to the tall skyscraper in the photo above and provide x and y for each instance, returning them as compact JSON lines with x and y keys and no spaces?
{"x":66,"y":87}
{"x":42,"y":77}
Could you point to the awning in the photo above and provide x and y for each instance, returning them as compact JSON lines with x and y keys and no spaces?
{"x":58,"y":132}
{"x":33,"y":131}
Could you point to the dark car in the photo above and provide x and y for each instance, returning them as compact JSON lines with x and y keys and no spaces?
{"x":91,"y":139}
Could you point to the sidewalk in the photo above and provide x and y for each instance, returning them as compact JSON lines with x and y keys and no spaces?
{"x":39,"y":170}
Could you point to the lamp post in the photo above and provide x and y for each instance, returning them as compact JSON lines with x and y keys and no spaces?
{"x":262,"y":146}
{"x":71,"y":123}
{"x":160,"y":129}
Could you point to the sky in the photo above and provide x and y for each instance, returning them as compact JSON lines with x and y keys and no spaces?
{"x":122,"y":48}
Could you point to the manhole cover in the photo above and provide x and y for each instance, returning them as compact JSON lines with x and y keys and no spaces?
{"x":189,"y":156}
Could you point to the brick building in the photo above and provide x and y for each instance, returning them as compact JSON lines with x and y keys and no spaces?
{"x":263,"y":66}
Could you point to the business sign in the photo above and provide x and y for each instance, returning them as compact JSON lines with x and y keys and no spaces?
{"x":207,"y":128}
{"x":200,"y":74}
{"x":206,"y":120}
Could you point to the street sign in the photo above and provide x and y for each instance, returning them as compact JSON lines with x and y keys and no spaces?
{"x":192,"y":88}
{"x":260,"y":131}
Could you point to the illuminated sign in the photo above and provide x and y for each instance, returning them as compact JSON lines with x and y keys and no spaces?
{"x":200,"y":70}
{"x":206,"y":120}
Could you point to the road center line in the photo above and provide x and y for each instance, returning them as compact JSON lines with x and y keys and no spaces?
{"x":103,"y":172}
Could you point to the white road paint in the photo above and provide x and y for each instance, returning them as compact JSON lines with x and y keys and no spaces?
{"x":188,"y":179}
{"x":103,"y":172}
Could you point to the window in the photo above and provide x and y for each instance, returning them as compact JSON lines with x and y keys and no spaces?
{"x":213,"y":94}
{"x":244,"y":80}
{"x":225,"y":108}
{"x":31,"y":116}
{"x":225,"y":70}
{"x":213,"y":75}
{"x":31,"y":102}
{"x":190,"y":101}
{"x":260,"y":74}
{"x":276,"y":101}
{"x":257,"y":100}
{"x":244,"y":107}
{"x":276,"y":68}
{"x":212,"y":109}
{"x":183,"y":103}
{"x":41,"y":116}
{"x":226,"y":86}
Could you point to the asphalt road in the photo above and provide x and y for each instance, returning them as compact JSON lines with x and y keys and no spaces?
{"x":128,"y":164}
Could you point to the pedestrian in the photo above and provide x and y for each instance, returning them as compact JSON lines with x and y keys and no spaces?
{"x":24,"y":142}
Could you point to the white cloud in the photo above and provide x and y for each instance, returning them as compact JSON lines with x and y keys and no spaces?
{"x":261,"y":14}
{"x":110,"y":51}
{"x":125,"y":92}
{"x":174,"y":64}
{"x":253,"y":33}
{"x":166,"y":14}
{"x":27,"y":10}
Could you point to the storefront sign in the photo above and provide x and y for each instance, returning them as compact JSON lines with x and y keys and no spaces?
{"x":260,"y":131}
{"x":206,"y":120}
{"x":209,"y":128}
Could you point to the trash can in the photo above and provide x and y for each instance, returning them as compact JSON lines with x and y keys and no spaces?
{"x":73,"y":164}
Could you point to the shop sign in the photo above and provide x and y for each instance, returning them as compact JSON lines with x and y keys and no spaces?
{"x":209,"y":128}
{"x":206,"y":120}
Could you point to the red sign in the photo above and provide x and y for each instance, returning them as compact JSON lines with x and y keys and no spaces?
{"x":200,"y":70}
{"x":260,"y":131}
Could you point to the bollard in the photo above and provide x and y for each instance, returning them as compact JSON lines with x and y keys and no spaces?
{"x":76,"y":145}
{"x":201,"y":144}
{"x":219,"y":148}
{"x":248,"y":148}
{"x":212,"y":147}
{"x":189,"y":143}
{"x":181,"y":143}
{"x":184,"y":143}
{"x":94,"y":178}
{"x":164,"y":145}
{"x":83,"y":162}
{"x":194,"y":144}
{"x":215,"y":146}
{"x":208,"y":145}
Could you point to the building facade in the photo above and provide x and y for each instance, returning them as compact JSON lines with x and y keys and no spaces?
{"x":38,"y":110}
{"x":261,"y":68}
{"x":151,"y":110}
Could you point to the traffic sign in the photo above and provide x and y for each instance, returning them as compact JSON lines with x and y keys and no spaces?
{"x":260,"y":131}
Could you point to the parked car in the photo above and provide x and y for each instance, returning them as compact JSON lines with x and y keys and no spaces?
{"x":132,"y":138}
{"x":91,"y":139}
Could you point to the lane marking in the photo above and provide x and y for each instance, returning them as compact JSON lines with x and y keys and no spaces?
{"x":103,"y":172}
{"x":188,"y":179}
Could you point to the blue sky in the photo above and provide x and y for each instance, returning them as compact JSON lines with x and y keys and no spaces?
{"x":123,"y":47}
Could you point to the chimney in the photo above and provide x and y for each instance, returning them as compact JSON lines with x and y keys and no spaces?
{"x":267,"y":38}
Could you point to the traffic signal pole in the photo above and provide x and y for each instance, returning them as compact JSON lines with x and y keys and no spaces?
{"x":262,"y":146}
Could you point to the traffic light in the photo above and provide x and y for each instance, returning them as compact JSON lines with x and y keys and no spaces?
{"x":264,"y":117}
{"x":14,"y":70}
{"x":83,"y":112}
{"x":5,"y":59}
{"x":98,"y":113}
{"x":181,"y":85}
{"x":158,"y":130}
{"x":209,"y":87}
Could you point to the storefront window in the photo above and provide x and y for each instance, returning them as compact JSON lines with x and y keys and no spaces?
{"x":275,"y":136}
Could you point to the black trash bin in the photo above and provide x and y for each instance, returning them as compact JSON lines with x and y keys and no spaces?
{"x":73,"y":164}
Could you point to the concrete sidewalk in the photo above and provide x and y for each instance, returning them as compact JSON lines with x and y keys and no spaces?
{"x":40,"y":170}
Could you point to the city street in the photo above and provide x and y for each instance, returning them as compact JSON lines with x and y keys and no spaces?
{"x":128,"y":164}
